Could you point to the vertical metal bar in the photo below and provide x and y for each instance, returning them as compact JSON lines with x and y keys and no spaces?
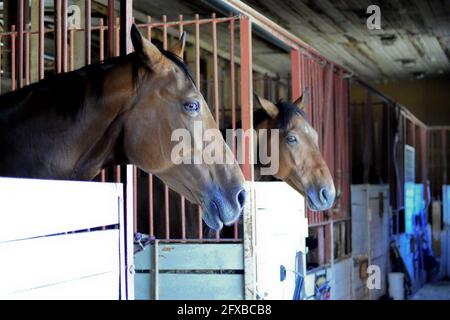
{"x":101,"y":40}
{"x":164,"y":20}
{"x":295,"y":74}
{"x":182,"y":199}
{"x":64,"y":35}
{"x":20,"y":23}
{"x":198,"y":84}
{"x":117,"y":38}
{"x":150,"y":204}
{"x":149,"y":28}
{"x":215,"y":69}
{"x":87,"y":32}
{"x":197,"y":52}
{"x":57,"y":33}
{"x":126,"y":19}
{"x":27,"y":58}
{"x":246,"y":95}
{"x":72,"y":49}
{"x":111,"y":24}
{"x":13,"y":58}
{"x":166,"y":211}
{"x":232,"y":85}
{"x":233,"y":104}
{"x":41,"y":45}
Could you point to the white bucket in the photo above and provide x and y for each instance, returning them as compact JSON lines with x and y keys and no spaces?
{"x":396,"y":289}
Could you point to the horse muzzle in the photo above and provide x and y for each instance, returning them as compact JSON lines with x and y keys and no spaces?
{"x":320,"y":198}
{"x":223,"y":208}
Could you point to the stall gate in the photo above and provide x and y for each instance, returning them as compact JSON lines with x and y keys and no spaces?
{"x":61,"y":38}
{"x":63,"y":240}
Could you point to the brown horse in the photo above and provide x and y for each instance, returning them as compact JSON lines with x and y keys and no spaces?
{"x":120,"y":111}
{"x":301,"y":165}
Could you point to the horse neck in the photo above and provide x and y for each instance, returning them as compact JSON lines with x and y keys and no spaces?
{"x":62,"y":127}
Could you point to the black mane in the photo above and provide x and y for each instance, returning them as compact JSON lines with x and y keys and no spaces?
{"x":287,"y":111}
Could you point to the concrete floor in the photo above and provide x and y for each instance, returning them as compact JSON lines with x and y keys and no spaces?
{"x":434,"y":291}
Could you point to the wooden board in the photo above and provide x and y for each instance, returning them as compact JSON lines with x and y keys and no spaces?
{"x":52,"y":261}
{"x":173,"y":286}
{"x":189,"y":256}
{"x":31,"y":208}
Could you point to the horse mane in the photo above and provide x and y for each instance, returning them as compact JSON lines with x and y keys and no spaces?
{"x":287,"y":111}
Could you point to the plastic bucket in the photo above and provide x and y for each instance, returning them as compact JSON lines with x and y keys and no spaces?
{"x":396,"y":288}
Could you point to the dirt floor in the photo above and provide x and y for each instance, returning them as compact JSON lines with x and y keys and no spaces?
{"x":434,"y":291}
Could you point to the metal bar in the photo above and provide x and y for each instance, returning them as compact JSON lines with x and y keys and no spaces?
{"x":215,"y":69}
{"x":246,"y":95}
{"x":135,"y":200}
{"x":20,"y":23}
{"x":126,"y":19}
{"x":295,"y":74}
{"x":101,"y":40}
{"x":64,"y":35}
{"x":166,"y":211}
{"x":200,"y":223}
{"x":111,"y":24}
{"x":150,"y":204}
{"x":187,"y":22}
{"x":72,"y":49}
{"x":197,"y":52}
{"x":27,"y":58}
{"x":182,"y":199}
{"x":57,"y":19}
{"x":149,"y":28}
{"x":41,"y":35}
{"x":87,"y":31}
{"x":13,"y":58}
{"x":164,"y":19}
{"x":117,"y":38}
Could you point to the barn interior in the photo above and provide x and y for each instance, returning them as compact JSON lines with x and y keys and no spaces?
{"x":391,"y":174}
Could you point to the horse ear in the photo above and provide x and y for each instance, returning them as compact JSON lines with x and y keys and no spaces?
{"x":268,"y":106}
{"x":178,"y":48}
{"x":303,"y":100}
{"x":144,"y":48}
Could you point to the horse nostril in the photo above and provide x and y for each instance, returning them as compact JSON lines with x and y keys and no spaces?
{"x":240,"y":198}
{"x":325,"y":195}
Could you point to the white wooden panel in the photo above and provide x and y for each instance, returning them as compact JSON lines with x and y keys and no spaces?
{"x":98,"y":287}
{"x":201,"y":286}
{"x":33,"y":263}
{"x":192,"y":256}
{"x":341,"y":288}
{"x":31,"y":208}
{"x":281,"y":229}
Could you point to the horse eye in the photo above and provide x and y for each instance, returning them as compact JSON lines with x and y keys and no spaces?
{"x":291,"y":140}
{"x":192,"y":107}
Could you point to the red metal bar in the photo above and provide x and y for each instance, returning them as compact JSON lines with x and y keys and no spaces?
{"x":57,"y":19}
{"x":13,"y":58}
{"x":41,"y":36}
{"x":72,"y":49}
{"x":87,"y":31}
{"x":197,"y":52}
{"x":101,"y":40}
{"x":20,"y":23}
{"x":164,"y":19}
{"x":27,"y":58}
{"x":149,"y":28}
{"x":64,"y":35}
{"x":187,"y":22}
{"x":295,"y":74}
{"x":215,"y":69}
{"x":166,"y":211}
{"x":111,"y":24}
{"x":182,"y":199}
{"x":246,"y":95}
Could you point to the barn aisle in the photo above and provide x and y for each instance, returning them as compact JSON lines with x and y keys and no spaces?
{"x":434,"y":291}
